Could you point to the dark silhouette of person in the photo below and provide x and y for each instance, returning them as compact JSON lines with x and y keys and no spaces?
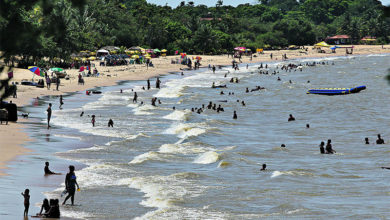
{"x":135,"y":97}
{"x":26,"y":196}
{"x":366,"y":140}
{"x":329,"y":149}
{"x":70,"y":184}
{"x":380,"y":140}
{"x":47,"y":170}
{"x":264,"y":167}
{"x":322,"y":149}
{"x":110,"y":123}
{"x":54,"y":211}
{"x":44,"y":208}
{"x":158,"y":83}
{"x":307,"y":126}
{"x":48,"y":116}
{"x":61,"y":101}
{"x":213,"y":69}
{"x":291,"y":118}
{"x":93,"y":120}
{"x":282,"y":145}
{"x":148,"y":84}
{"x":234,"y":115}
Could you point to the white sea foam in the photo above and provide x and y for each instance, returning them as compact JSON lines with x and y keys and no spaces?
{"x":165,"y":191}
{"x":179,"y":115}
{"x":151,"y":155}
{"x":144,"y":109}
{"x":184,"y":130}
{"x":207,"y":158}
{"x":186,"y":148}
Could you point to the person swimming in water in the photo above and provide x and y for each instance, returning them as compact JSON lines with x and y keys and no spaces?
{"x":110,"y":123}
{"x":380,"y":140}
{"x":307,"y":126}
{"x":234,"y":115}
{"x":329,"y":149}
{"x":366,"y":140}
{"x":291,"y":118}
{"x":243,"y":103}
{"x":322,"y":149}
{"x":283,"y":145}
{"x":264,"y":167}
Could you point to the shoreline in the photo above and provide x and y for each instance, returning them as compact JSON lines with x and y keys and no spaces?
{"x":13,"y":147}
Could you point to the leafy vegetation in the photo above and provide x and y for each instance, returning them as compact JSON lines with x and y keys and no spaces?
{"x":35,"y":29}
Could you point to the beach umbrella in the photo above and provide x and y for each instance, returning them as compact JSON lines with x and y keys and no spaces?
{"x":149,"y":50}
{"x":56,"y":69}
{"x":322,"y":44}
{"x":156,"y":50}
{"x":91,"y":58}
{"x":135,"y":57}
{"x":163,"y":50}
{"x":36,"y":70}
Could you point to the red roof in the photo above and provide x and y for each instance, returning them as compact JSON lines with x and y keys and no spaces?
{"x":339,"y":37}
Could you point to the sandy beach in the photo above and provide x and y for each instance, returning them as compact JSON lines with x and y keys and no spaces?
{"x":14,"y":140}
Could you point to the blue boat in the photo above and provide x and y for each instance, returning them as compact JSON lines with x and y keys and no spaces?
{"x":336,"y":91}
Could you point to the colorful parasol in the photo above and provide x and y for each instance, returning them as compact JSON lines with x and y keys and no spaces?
{"x":36,"y":71}
{"x":56,"y":69}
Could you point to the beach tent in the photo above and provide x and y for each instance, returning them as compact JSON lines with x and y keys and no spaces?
{"x":240,"y":48}
{"x":322,"y":44}
{"x":56,"y":69}
{"x":102,"y":52}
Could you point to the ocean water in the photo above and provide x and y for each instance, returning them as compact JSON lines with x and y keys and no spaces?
{"x":160,"y":163}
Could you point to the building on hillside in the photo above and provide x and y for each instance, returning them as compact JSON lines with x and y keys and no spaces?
{"x":338,"y":39}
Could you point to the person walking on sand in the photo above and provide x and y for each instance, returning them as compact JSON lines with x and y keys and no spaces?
{"x":48,"y":116}
{"x":26,"y":196}
{"x":70,"y":185}
{"x":58,"y":82}
{"x":48,"y":82}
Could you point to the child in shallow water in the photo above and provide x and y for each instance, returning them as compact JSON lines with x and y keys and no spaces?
{"x":26,"y":196}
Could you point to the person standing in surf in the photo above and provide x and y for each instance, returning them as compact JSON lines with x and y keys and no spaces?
{"x":70,"y":184}
{"x":48,"y":116}
{"x":158,"y":83}
{"x":135,"y":97}
{"x":61,"y":101}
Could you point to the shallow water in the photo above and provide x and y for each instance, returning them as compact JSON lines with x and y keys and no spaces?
{"x":161,"y":163}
